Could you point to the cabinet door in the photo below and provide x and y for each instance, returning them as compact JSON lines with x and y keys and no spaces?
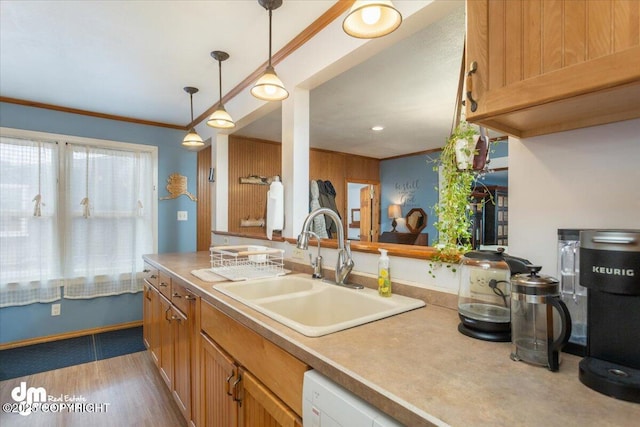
{"x":152,"y":315}
{"x":166,"y":341}
{"x":547,"y":66}
{"x":218,"y":374}
{"x":147,"y":315}
{"x":181,"y":330}
{"x":260,"y":407}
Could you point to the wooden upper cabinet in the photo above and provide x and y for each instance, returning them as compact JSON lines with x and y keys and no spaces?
{"x":546,"y":66}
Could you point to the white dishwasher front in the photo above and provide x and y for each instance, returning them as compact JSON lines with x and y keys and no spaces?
{"x":326,"y":404}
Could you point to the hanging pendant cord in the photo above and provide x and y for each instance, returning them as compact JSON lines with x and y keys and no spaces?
{"x":191,"y":100}
{"x":270,"y":37}
{"x":458,"y":107}
{"x":219,"y":80}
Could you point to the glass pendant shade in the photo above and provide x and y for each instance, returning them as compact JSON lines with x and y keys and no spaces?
{"x":371,"y":19}
{"x":269,"y":87}
{"x":220,"y":119}
{"x":192,"y":141}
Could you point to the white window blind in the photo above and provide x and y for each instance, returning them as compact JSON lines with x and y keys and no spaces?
{"x":30,"y":270}
{"x":87,"y":230}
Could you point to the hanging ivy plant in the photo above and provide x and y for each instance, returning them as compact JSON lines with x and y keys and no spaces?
{"x":453,"y":209}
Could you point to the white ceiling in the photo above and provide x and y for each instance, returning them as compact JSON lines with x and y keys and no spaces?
{"x":133,"y":58}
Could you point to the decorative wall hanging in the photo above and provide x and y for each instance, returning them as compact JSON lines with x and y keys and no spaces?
{"x":177,"y":186}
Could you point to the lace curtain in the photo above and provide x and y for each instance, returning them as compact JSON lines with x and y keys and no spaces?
{"x":108,"y":220}
{"x":77,"y":216}
{"x":30,"y":270}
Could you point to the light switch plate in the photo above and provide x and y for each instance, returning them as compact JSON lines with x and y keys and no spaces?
{"x":183,"y":215}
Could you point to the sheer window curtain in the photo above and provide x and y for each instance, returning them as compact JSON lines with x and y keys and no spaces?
{"x":30,"y":269}
{"x":108,"y":220}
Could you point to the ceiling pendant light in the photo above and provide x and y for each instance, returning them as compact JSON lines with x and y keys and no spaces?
{"x":220,"y":118}
{"x":269,"y":87}
{"x":192,"y":141}
{"x":371,"y":19}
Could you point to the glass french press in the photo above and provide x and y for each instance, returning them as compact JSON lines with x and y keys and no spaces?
{"x":536,"y":335}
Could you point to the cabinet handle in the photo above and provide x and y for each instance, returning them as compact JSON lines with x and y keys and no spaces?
{"x":189,"y":297}
{"x":174,"y":317}
{"x":472,"y":69}
{"x":164,"y":285}
{"x":235,"y":391}
{"x":166,"y":312}
{"x":176,"y":295}
{"x":229,"y":385}
{"x":146,"y":270}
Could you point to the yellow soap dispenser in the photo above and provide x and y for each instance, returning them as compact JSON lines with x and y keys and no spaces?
{"x":384,"y":276}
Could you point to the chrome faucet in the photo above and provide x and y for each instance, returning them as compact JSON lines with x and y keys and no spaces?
{"x":317,"y":264}
{"x":344,"y":265}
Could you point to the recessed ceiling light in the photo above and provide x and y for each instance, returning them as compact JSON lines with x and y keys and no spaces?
{"x":377,"y":128}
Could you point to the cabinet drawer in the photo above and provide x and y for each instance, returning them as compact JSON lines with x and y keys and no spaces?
{"x":181,"y":295}
{"x":164,"y":284}
{"x":278,"y":370}
{"x":151,"y":274}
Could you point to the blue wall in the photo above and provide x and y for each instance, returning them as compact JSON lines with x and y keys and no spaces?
{"x":410,"y":182}
{"x":35,"y":320}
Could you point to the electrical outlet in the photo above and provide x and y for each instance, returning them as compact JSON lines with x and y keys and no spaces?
{"x":183,"y":215}
{"x":480,"y":279}
{"x":298,"y":253}
{"x":225,"y":240}
{"x":55,"y":309}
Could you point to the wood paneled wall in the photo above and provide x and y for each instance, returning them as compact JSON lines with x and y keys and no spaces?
{"x":203,"y":224}
{"x":340,"y":168}
{"x":249,"y":156}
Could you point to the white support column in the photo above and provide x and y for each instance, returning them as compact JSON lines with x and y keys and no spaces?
{"x":295,"y":160}
{"x":220,"y":161}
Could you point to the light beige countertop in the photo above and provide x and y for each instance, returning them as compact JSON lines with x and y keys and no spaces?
{"x":420,"y":370}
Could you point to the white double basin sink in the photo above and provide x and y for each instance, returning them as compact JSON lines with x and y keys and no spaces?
{"x":314,"y":307}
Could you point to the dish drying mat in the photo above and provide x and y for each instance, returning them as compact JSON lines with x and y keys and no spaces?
{"x":247,"y":262}
{"x":206,"y":275}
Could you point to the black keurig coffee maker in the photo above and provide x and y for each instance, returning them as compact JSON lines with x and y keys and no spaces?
{"x":610,"y":270}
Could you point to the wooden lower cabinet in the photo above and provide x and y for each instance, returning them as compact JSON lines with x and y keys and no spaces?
{"x":246,"y":380}
{"x":166,"y":342}
{"x":259,"y":407}
{"x":218,"y":372}
{"x":151,"y":318}
{"x":169,"y":331}
{"x":233,"y":397}
{"x":181,"y":330}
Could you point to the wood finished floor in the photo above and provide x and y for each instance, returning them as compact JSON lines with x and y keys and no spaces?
{"x":130,"y":384}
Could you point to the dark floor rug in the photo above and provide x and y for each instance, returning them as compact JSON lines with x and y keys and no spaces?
{"x":116,"y":343}
{"x":32,"y":359}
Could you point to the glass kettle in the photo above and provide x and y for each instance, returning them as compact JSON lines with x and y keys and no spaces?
{"x":484,"y":296}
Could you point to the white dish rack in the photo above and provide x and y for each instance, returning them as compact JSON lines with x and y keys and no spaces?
{"x":247,"y":262}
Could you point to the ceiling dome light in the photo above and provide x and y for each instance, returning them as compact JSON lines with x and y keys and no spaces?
{"x":269,"y":87}
{"x":371,"y":19}
{"x":192,"y":141}
{"x":220,"y":118}
{"x":377,"y":128}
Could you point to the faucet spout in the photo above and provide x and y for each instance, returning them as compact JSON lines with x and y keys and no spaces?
{"x":344,"y":265}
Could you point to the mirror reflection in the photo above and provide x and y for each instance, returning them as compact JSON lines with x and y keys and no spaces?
{"x":408,"y":90}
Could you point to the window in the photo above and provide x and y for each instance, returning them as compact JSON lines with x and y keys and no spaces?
{"x":76,"y":213}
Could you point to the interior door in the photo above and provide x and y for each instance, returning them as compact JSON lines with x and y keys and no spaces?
{"x":370,"y":213}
